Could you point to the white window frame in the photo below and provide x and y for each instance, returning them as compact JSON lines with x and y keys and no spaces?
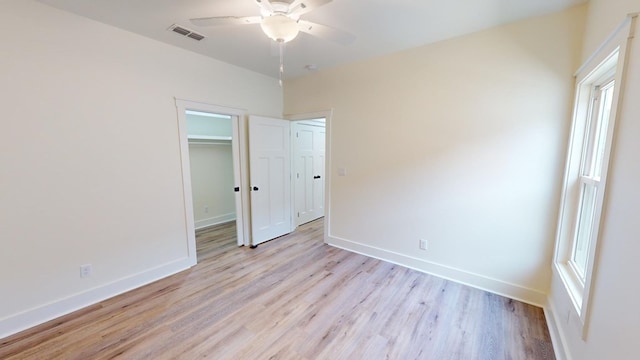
{"x":586,"y":139}
{"x":604,"y":66}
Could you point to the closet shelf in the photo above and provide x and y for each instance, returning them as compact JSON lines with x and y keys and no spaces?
{"x":205,"y":137}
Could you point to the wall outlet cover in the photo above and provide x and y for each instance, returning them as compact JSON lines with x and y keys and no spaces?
{"x":85,"y":270}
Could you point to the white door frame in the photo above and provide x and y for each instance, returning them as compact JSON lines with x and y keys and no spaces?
{"x":237,"y":143}
{"x":326,"y":114}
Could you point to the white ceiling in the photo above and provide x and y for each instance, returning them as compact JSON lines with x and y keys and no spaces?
{"x":381,"y":26}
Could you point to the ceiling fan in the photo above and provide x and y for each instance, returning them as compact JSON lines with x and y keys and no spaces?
{"x":280,"y":21}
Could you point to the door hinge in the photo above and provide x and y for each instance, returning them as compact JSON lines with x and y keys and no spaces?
{"x":298,"y":213}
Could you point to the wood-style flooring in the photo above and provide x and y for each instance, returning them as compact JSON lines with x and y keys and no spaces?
{"x":292,"y":298}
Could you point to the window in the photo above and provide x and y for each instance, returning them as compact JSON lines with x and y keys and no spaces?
{"x":589,"y":181}
{"x":599,"y":93}
{"x":585,"y":178}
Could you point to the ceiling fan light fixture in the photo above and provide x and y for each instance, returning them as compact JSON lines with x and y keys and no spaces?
{"x":280,"y":27}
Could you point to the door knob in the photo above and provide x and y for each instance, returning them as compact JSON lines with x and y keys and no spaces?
{"x":255,"y":188}
{"x":317,"y":177}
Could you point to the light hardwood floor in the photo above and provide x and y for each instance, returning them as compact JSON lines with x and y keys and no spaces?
{"x":292,"y":298}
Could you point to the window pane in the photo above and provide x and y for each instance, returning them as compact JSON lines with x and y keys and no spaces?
{"x":583,"y":229}
{"x":601,"y":130}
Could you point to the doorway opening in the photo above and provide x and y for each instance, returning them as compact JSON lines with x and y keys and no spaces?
{"x":309,"y":148}
{"x":211,"y":165}
{"x":212,"y":178}
{"x":316,"y":118}
{"x":211,"y":170}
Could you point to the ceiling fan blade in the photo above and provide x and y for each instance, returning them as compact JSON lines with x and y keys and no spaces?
{"x":265,"y":5}
{"x":300,"y":7}
{"x":225,"y":20}
{"x":326,"y":32}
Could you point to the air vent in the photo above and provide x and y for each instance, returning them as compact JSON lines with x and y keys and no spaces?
{"x":186,"y":32}
{"x":196,"y":36}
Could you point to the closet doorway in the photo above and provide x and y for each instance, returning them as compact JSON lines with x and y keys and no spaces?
{"x":211,"y":168}
{"x":211,"y":165}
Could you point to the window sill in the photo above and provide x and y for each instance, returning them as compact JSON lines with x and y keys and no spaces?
{"x":573,"y":286}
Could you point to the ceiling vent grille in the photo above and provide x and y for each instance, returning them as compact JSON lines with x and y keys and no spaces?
{"x":196,"y":36}
{"x":186,"y":32}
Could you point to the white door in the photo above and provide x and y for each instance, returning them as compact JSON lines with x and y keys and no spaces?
{"x":309,"y":155}
{"x":270,"y":178}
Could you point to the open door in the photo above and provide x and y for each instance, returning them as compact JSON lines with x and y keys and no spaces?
{"x":270,"y":178}
{"x":309,"y":163}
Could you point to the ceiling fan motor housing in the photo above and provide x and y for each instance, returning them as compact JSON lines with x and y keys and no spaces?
{"x":280,"y":27}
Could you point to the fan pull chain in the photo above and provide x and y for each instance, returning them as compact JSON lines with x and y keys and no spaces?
{"x":281,"y":47}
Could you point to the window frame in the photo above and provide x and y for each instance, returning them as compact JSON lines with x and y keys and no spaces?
{"x":611,"y":54}
{"x":586,"y":78}
{"x":586,"y":178}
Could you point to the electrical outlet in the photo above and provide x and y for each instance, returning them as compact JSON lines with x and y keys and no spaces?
{"x":206,"y":209}
{"x":85,"y":270}
{"x":423,"y":244}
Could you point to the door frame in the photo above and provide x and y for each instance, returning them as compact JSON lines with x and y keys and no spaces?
{"x":295,"y":129}
{"x":240,"y":177}
{"x":327,"y":115}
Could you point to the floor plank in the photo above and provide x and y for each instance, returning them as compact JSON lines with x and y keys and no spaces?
{"x":292,"y":298}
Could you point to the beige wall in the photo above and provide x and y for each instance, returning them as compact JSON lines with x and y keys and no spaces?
{"x":212,"y":183}
{"x":602,"y":19}
{"x":90,"y":166}
{"x":461,"y":143}
{"x":614,"y":323}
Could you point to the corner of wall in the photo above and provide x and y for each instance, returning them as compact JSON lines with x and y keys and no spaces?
{"x":553,"y":324}
{"x":513,"y":291}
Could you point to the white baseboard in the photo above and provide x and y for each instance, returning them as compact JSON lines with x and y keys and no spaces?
{"x":557,"y":339}
{"x":516,"y":292}
{"x":220,"y":219}
{"x":39,"y":315}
